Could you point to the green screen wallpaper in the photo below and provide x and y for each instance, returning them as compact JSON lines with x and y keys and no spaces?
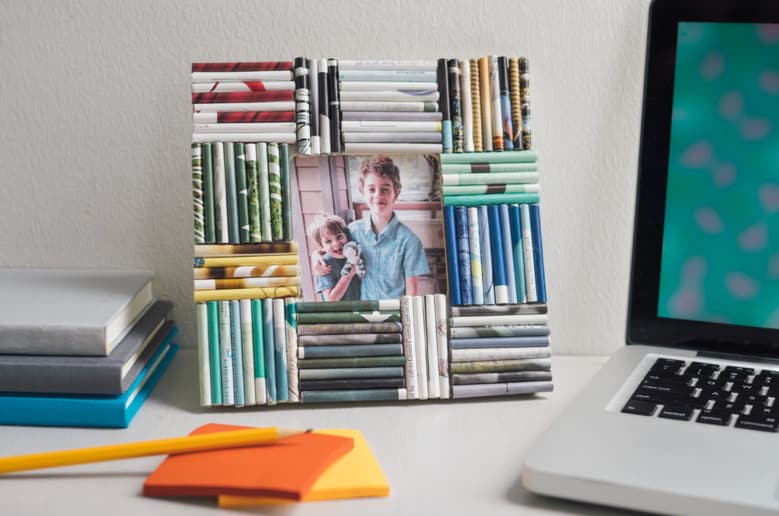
{"x":720,"y":258}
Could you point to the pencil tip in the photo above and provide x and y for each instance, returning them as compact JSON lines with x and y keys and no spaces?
{"x":289,"y":432}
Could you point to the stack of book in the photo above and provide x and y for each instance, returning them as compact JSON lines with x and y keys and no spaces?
{"x":80,"y":348}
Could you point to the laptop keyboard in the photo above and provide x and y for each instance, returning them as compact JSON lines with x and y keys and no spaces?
{"x":708,"y":393}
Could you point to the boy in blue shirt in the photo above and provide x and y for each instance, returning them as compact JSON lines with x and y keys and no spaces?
{"x":393,"y":252}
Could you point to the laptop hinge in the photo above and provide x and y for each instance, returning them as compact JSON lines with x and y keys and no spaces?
{"x":737,"y":357}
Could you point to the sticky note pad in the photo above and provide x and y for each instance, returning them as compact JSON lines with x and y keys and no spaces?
{"x":355,"y":475}
{"x":286,"y":469}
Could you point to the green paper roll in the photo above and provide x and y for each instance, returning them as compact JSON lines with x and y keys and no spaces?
{"x":489,"y":199}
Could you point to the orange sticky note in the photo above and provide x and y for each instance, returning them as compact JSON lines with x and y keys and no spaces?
{"x":286,"y":469}
{"x":355,"y":475}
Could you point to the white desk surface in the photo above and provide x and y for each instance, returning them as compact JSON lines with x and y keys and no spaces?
{"x":457,"y":457}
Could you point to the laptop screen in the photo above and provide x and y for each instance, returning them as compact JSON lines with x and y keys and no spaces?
{"x":720,"y":237}
{"x":705,"y":265}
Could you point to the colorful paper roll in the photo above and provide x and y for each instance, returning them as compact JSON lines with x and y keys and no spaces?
{"x":242,"y":192}
{"x":474,"y":332}
{"x":477,"y":285}
{"x":302,"y":107}
{"x":252,"y":180}
{"x":350,"y":306}
{"x":246,"y":66}
{"x":350,"y":328}
{"x":274,"y":187}
{"x":246,"y":271}
{"x":243,"y":117}
{"x":501,"y":342}
{"x":209,"y":192}
{"x":197,"y":194}
{"x":241,"y":96}
{"x":478,"y":200}
{"x":245,"y":293}
{"x":353,"y":395}
{"x":347,"y":317}
{"x":525,"y":156}
{"x":485,"y":244}
{"x":467,"y":109}
{"x":346,"y":340}
{"x":233,"y":225}
{"x":452,"y":256}
{"x":476,"y":105}
{"x":464,"y":255}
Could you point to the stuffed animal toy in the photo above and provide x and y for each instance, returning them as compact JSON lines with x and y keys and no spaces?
{"x":353,"y":254}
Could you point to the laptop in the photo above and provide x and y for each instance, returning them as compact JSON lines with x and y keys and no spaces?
{"x":684,"y":418}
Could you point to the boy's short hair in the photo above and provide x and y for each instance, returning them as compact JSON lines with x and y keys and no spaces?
{"x":332,"y":223}
{"x":382,"y":166}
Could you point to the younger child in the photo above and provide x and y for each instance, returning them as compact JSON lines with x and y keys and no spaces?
{"x":331,"y":234}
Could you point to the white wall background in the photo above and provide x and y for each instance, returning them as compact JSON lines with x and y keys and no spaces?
{"x":95,"y":126}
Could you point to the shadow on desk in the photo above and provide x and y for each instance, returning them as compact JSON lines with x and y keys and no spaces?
{"x":75,"y":476}
{"x":521,"y":497}
{"x":179,"y":388}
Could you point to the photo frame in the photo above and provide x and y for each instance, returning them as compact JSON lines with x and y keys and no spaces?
{"x":367,"y":231}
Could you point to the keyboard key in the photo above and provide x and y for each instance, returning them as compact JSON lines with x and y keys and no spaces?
{"x":657,"y":396}
{"x":681,"y":412}
{"x":667,"y":365}
{"x":734,"y":407}
{"x":662,"y":362}
{"x":698,"y":403}
{"x":700,"y":370}
{"x":766,"y":424}
{"x":763,"y":411}
{"x":767,"y":377}
{"x":731,"y":370}
{"x":751,"y":399}
{"x":714,"y":417}
{"x":736,"y":374}
{"x":642,"y":408}
{"x":662,"y":376}
{"x":712,"y":384}
{"x":679,"y":389}
{"x":745,"y":387}
{"x":773,"y":390}
{"x":713,"y":394}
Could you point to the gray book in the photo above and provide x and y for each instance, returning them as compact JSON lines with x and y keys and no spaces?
{"x":69,"y":312}
{"x":109,"y":375}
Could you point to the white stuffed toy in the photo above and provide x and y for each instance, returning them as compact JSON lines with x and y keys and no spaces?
{"x":353,"y":254}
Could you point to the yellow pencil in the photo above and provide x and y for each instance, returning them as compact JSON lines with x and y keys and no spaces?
{"x":171,"y":446}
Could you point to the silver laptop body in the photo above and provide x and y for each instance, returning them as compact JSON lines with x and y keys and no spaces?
{"x":712,"y":77}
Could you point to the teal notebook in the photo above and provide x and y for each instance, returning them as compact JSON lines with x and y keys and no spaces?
{"x":88,"y":411}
